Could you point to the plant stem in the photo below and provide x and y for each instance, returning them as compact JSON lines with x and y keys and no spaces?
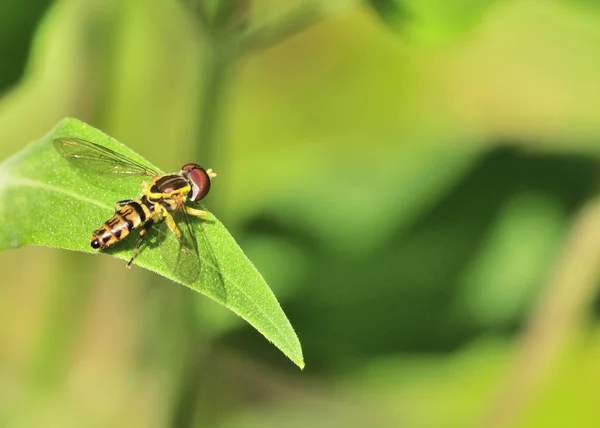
{"x":292,"y":24}
{"x":560,"y":309}
{"x":62,"y":320}
{"x":220,"y":60}
{"x":226,"y":44}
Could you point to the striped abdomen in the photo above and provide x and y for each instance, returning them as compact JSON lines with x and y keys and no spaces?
{"x":127,"y":218}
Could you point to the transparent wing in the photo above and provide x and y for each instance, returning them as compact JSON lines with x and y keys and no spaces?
{"x":181,"y":255}
{"x":192,"y":258}
{"x":98,"y":159}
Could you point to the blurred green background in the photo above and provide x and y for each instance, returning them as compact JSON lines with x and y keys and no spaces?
{"x":416,"y":180}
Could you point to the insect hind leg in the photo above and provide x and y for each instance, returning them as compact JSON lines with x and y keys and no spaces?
{"x":122,"y":203}
{"x":143,"y":233}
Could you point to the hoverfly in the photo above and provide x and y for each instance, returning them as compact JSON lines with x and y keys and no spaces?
{"x":162,"y":200}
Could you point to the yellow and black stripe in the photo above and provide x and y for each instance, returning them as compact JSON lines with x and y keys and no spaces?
{"x":168,"y":186}
{"x":130,"y":216}
{"x":164,"y":197}
{"x":148,"y":209}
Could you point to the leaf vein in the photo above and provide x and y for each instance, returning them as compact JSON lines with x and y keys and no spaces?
{"x":11,"y":181}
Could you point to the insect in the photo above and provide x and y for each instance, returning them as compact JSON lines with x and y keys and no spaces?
{"x":163,"y":199}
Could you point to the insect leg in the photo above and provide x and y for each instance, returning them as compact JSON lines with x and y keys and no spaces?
{"x":173,"y":227}
{"x":171,"y":223}
{"x":121,"y":204}
{"x":143,"y":233}
{"x":195,"y":212}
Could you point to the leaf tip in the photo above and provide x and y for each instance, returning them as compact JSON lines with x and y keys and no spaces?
{"x":297,"y":359}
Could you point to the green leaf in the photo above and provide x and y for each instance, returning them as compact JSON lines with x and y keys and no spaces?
{"x":430,"y":21}
{"x":393,"y":13}
{"x":45,"y":200}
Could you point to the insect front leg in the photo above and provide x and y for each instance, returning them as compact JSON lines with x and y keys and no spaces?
{"x":195,"y":212}
{"x":171,"y":224}
{"x":146,"y":187}
{"x":173,"y":227}
{"x":143,"y":233}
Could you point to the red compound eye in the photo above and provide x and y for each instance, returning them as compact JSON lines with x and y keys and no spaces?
{"x":199,"y":179}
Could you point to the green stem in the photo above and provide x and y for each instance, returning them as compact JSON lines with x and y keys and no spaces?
{"x":562,"y":308}
{"x":226,"y":46}
{"x":194,"y":371}
{"x":220,"y":60}
{"x":300,"y":19}
{"x":62,"y":321}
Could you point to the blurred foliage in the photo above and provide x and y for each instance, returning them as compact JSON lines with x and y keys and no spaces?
{"x":430,"y":21}
{"x":390,"y":11}
{"x":406,"y":193}
{"x":16,"y":34}
{"x":450,"y":297}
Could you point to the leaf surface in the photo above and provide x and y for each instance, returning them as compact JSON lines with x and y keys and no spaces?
{"x":44,"y":200}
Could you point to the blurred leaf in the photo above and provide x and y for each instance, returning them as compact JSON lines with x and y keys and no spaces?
{"x":430,"y":20}
{"x":420,"y":389}
{"x":218,"y":16}
{"x":287,"y":25}
{"x":504,"y":278}
{"x":48,"y":202}
{"x":17,"y":27}
{"x":392,"y":12}
{"x":419,"y":279}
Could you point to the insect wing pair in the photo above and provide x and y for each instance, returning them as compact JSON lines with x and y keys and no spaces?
{"x":179,"y":250}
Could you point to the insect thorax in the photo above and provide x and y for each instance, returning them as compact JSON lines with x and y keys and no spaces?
{"x":169,"y":186}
